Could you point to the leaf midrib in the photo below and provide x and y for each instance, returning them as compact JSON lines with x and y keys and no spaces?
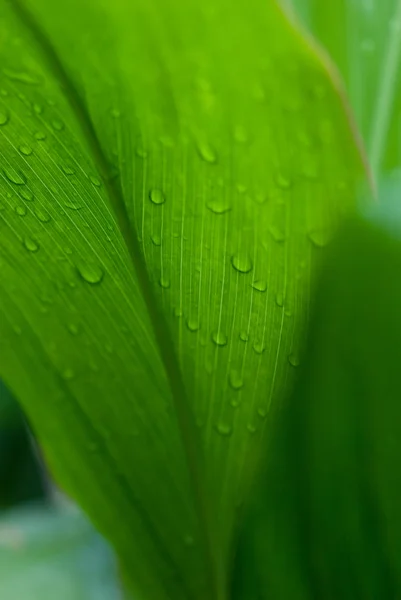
{"x":186,"y":423}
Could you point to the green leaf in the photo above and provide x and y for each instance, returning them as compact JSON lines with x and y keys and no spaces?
{"x":167,"y":185}
{"x":54,"y":553}
{"x":363,"y":37}
{"x":325,"y":519}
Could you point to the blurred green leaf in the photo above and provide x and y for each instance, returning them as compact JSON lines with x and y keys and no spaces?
{"x":325,"y":521}
{"x":48,"y":554}
{"x":170,"y":172}
{"x":364,"y":39}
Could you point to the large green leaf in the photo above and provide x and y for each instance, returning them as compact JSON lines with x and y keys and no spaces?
{"x":364,"y":39}
{"x":48,"y":553}
{"x":325,"y":521}
{"x":170,"y":172}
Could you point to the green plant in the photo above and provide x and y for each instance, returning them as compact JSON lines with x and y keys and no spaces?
{"x":170,"y":176}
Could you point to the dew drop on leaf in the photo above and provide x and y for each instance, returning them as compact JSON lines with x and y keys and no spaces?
{"x":42,"y":215}
{"x":207,"y":153}
{"x":14,"y":176}
{"x":67,"y":170}
{"x":72,"y":205}
{"x":219,"y":338}
{"x":90,"y":272}
{"x":20,"y":210}
{"x":178,"y":313}
{"x":218,"y":207}
{"x":68,"y":374}
{"x":262,"y":412}
{"x":157,"y":196}
{"x":57,"y":125}
{"x":283,"y":181}
{"x":280,"y":299}
{"x":25,"y":150}
{"x":251,"y":428}
{"x":141,"y":153}
{"x":27,"y":194}
{"x":37,"y":108}
{"x":164,"y":282}
{"x":241,"y":263}
{"x":115,"y":113}
{"x":259,"y":347}
{"x":260,"y":285}
{"x":95,"y":180}
{"x":31,"y":245}
{"x":235,"y":380}
{"x":21,"y":76}
{"x":3,"y":118}
{"x":293,"y":359}
{"x":319,"y":238}
{"x":243,"y":336}
{"x":193,"y":324}
{"x":39,"y":135}
{"x":224,"y":429}
{"x":73,"y":329}
{"x":156,"y":239}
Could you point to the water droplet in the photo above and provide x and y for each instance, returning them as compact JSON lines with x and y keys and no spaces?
{"x":27,"y":194}
{"x":67,"y":170}
{"x":244,"y":336}
{"x":219,"y":338}
{"x":115,"y":113}
{"x":241,"y":188}
{"x":193,"y":324}
{"x":141,"y":152}
{"x":156,"y":239}
{"x":21,"y":210}
{"x":235,"y":380}
{"x":157,"y":196}
{"x":42,"y":215}
{"x":278,"y":234}
{"x":39,"y":135}
{"x":14,"y":176}
{"x":95,"y":180}
{"x":178,"y":313}
{"x":280,"y":299}
{"x":224,"y":429}
{"x":259,"y":347}
{"x":90,"y":272}
{"x":241,"y":263}
{"x":3,"y":118}
{"x":262,"y":412}
{"x":73,"y":329}
{"x":21,"y":76}
{"x":31,"y":245}
{"x":293,"y":359}
{"x":25,"y":149}
{"x":68,"y":374}
{"x":37,"y":108}
{"x":319,"y":238}
{"x":57,"y":125}
{"x":251,"y":428}
{"x":260,"y":285}
{"x":72,"y":205}
{"x":207,"y":153}
{"x":283,"y":181}
{"x":164,"y":282}
{"x":219,"y":207}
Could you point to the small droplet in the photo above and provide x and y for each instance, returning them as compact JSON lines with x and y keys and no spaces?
{"x":73,"y":329}
{"x":95,"y":180}
{"x":21,"y":76}
{"x":39,"y":135}
{"x":241,"y":263}
{"x":193,"y":324}
{"x":156,"y":196}
{"x":21,"y":210}
{"x":219,"y":207}
{"x":260,"y":285}
{"x":251,"y":428}
{"x":67,"y":169}
{"x":280,"y":299}
{"x":207,"y":153}
{"x":241,"y":188}
{"x":141,"y":152}
{"x":219,"y":338}
{"x":31,"y":245}
{"x":72,"y":205}
{"x":115,"y":113}
{"x":57,"y":125}
{"x":14,"y":176}
{"x":27,"y":194}
{"x":293,"y":359}
{"x":319,"y":238}
{"x":244,"y":336}
{"x":156,"y":239}
{"x":42,"y":215}
{"x":25,"y":149}
{"x":283,"y":181}
{"x":90,"y":272}
{"x":3,"y":118}
{"x":224,"y":429}
{"x":235,"y":380}
{"x":262,"y":412}
{"x":178,"y":313}
{"x":259,"y":347}
{"x":277,"y":234}
{"x":164,"y":282}
{"x":37,"y":108}
{"x":68,"y":374}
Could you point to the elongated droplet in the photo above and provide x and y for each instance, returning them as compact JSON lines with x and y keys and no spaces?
{"x":293,"y":359}
{"x":207,"y":153}
{"x":164,"y":282}
{"x":156,"y":196}
{"x":3,"y":117}
{"x":39,"y":135}
{"x":262,"y":412}
{"x":243,"y":336}
{"x":156,"y":239}
{"x":319,"y":238}
{"x":224,"y":429}
{"x":42,"y":215}
{"x":95,"y":180}
{"x":219,"y":338}
{"x":193,"y":324}
{"x":277,"y":234}
{"x":260,"y":285}
{"x":25,"y":149}
{"x":57,"y":125}
{"x":14,"y":176}
{"x":67,"y":169}
{"x":235,"y":380}
{"x":283,"y":181}
{"x":141,"y":152}
{"x":280,"y":299}
{"x":251,"y":428}
{"x":21,"y":76}
{"x":73,"y":329}
{"x":72,"y":205}
{"x":21,"y":210}
{"x":218,"y":207}
{"x":241,"y":263}
{"x":27,"y":194}
{"x":90,"y":273}
{"x":259,"y":347}
{"x":31,"y":245}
